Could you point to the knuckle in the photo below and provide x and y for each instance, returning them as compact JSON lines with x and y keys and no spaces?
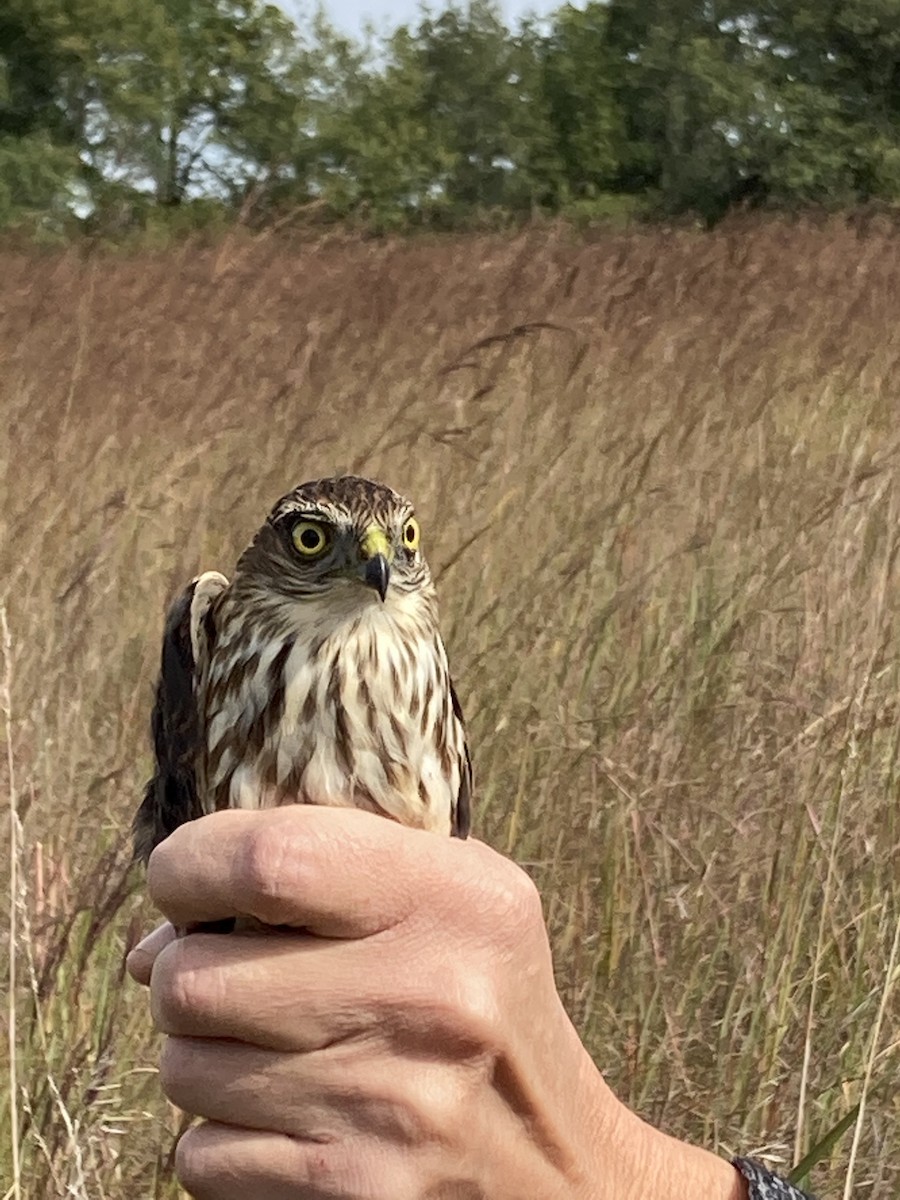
{"x":477,"y":1005}
{"x":442,"y":1103}
{"x":194,"y":1165}
{"x":176,"y":1070}
{"x":262,"y":871}
{"x":495,"y":896}
{"x":181,"y":991}
{"x":457,"y":1009}
{"x":517,"y":907}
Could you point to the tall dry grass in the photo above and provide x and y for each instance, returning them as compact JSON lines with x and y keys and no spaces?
{"x":658,"y":477}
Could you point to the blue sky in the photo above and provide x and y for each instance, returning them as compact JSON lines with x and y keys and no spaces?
{"x":351,"y":15}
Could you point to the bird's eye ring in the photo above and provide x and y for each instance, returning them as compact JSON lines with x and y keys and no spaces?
{"x":310,"y":538}
{"x":411,"y":534}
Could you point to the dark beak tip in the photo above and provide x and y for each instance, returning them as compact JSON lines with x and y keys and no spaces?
{"x":378,"y":575}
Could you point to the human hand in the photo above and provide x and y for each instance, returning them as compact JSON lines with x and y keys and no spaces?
{"x":404,"y":1041}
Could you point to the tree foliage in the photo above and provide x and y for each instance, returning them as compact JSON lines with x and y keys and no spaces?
{"x":115,"y":111}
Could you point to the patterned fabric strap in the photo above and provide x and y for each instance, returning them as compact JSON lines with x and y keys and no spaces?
{"x":766,"y":1186}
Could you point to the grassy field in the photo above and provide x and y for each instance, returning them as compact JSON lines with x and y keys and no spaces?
{"x":659,"y":478}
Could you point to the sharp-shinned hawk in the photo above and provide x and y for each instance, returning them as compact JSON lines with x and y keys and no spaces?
{"x":317,"y":675}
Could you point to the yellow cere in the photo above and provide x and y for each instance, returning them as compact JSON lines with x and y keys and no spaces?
{"x":310,"y":538}
{"x":375,"y":541}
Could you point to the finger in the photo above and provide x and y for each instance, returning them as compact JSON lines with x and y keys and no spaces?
{"x":263,"y":989}
{"x":234,"y":1084}
{"x":341,"y":1093}
{"x":139,"y":962}
{"x":297,"y":993}
{"x":337,"y":872}
{"x":220,"y":1162}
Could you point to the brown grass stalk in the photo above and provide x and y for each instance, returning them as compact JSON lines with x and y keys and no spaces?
{"x":15,"y":1187}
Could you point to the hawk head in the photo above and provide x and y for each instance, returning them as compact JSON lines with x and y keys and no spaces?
{"x":346,"y":540}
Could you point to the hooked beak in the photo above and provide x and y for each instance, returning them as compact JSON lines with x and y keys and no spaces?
{"x":376,"y":552}
{"x":378,"y":575}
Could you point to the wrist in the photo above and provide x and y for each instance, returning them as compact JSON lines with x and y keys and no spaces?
{"x":678,"y":1169}
{"x":633,"y":1161}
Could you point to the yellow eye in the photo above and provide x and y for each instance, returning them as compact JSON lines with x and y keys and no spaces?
{"x":310,"y":538}
{"x":411,"y":534}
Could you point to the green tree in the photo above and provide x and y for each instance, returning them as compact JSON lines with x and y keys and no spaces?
{"x":38,"y":142}
{"x":686,"y":86}
{"x":483,"y":94}
{"x":198,"y":107}
{"x":166,"y":100}
{"x":186,"y":94}
{"x":830,"y":78}
{"x":441,"y":123}
{"x":378,"y":142}
{"x":579,"y":74}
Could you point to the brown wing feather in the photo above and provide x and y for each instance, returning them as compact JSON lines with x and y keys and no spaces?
{"x":461,"y":816}
{"x":170,"y":797}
